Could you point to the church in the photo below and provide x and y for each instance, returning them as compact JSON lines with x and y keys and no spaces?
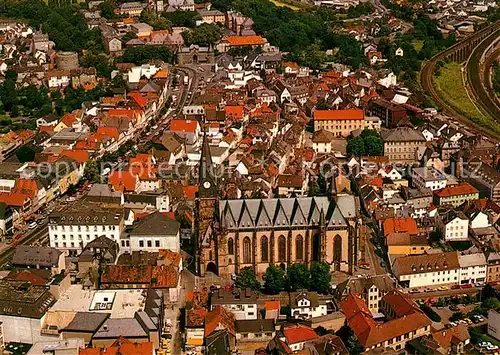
{"x":233,"y":234}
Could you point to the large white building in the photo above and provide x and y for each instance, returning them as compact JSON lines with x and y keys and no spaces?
{"x":243,"y":303}
{"x":427,"y":269}
{"x":154,"y":232}
{"x":454,"y":226}
{"x":71,"y":229}
{"x":472,"y":268}
{"x":428,"y":177}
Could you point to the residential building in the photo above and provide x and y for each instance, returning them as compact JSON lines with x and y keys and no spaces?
{"x":122,"y":345}
{"x":405,"y":321}
{"x":40,"y":258}
{"x":154,"y":232}
{"x":296,"y":336}
{"x":427,"y":269}
{"x":485,"y":178}
{"x":322,"y":141}
{"x":370,"y":289}
{"x":80,"y":223}
{"x":428,"y":178}
{"x":257,"y":330}
{"x":406,"y":244}
{"x":493,"y":271}
{"x":454,"y":225}
{"x":340,"y":122}
{"x":306,"y":305}
{"x":402,"y":143}
{"x":473,"y":268}
{"x":455,"y":195}
{"x":23,"y":311}
{"x":393,"y":115}
{"x":211,"y":16}
{"x":452,"y":340}
{"x":132,"y":8}
{"x":74,"y":346}
{"x":242,"y":303}
{"x":400,"y":225}
{"x":494,"y":324}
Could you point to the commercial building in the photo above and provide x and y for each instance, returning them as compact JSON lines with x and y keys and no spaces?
{"x":72,"y":228}
{"x":427,"y":269}
{"x":401,"y":144}
{"x":455,"y":195}
{"x":428,"y":178}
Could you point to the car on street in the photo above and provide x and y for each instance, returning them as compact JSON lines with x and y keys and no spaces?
{"x":32,"y":225}
{"x":466,"y":286}
{"x":442,"y":288}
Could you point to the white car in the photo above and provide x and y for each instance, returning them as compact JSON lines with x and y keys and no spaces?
{"x":32,"y":225}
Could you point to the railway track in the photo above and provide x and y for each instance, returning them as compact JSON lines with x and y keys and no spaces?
{"x":427,"y":81}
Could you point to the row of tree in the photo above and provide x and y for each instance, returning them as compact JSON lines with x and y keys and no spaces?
{"x":296,"y":277}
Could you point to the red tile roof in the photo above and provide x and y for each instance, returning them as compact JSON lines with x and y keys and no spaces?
{"x":123,"y":180}
{"x":349,"y":114}
{"x":14,"y":198}
{"x":26,"y":276}
{"x":121,"y":346}
{"x":219,"y":316}
{"x":183,"y":126}
{"x":235,"y":112}
{"x":272,"y":305}
{"x":133,"y":114}
{"x":245,"y":40}
{"x":190,"y":192}
{"x":164,"y":276}
{"x":400,"y":225}
{"x":299,"y":333}
{"x":127,"y":274}
{"x":138,"y":98}
{"x":27,"y":187}
{"x":68,"y":119}
{"x":103,"y":132}
{"x":461,"y":189}
{"x":78,"y":155}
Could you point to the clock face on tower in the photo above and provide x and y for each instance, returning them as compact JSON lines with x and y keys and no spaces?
{"x":206,"y":185}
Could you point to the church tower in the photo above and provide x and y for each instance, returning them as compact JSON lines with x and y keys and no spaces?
{"x":207,"y":200}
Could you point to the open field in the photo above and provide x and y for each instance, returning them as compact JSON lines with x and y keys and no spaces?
{"x":450,"y":86}
{"x":282,"y":4}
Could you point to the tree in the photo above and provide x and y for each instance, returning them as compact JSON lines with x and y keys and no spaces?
{"x":374,"y":145}
{"x":320,"y":277}
{"x":208,"y":34}
{"x":298,"y":277}
{"x":247,"y":279}
{"x":182,"y":18}
{"x":91,"y":171}
{"x":25,"y":154}
{"x":274,"y":280}
{"x":435,"y":236}
{"x":143,"y":54}
{"x":350,"y":340}
{"x":154,"y":20}
{"x":356,"y":146}
{"x":107,"y":9}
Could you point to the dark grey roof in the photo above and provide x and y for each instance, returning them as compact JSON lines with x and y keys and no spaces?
{"x":157,"y":224}
{"x":254,"y":326}
{"x":312,"y":297}
{"x":31,"y":255}
{"x":280,"y":213}
{"x":402,"y":134}
{"x":357,"y":285}
{"x":140,"y":198}
{"x":86,"y":213}
{"x":116,"y":327}
{"x":234,"y":296}
{"x":20,"y":299}
{"x":86,"y":322}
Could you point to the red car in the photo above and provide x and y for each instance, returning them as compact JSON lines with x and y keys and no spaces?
{"x":466,"y":286}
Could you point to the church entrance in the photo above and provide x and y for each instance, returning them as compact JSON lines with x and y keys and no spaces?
{"x":211,"y":267}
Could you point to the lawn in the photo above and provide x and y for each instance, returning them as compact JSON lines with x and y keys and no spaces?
{"x":417,"y":44}
{"x":281,"y":4}
{"x":450,"y":86}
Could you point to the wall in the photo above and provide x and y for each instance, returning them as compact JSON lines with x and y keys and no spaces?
{"x":494,"y":324}
{"x":431,"y":278}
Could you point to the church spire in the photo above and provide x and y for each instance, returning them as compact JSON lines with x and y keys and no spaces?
{"x":206,"y":182}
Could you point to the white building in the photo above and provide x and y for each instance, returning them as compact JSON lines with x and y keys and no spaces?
{"x":243,"y":303}
{"x":428,"y":177}
{"x":305,"y":305}
{"x":472,"y":268}
{"x":427,"y":269}
{"x":494,"y":324}
{"x":454,"y":226}
{"x":71,"y":229}
{"x":154,"y":232}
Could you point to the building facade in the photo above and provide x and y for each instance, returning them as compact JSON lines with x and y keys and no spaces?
{"x":401,"y":144}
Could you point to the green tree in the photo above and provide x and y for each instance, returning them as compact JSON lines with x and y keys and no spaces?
{"x":143,"y":54}
{"x":356,"y":146}
{"x":374,"y":145}
{"x":182,"y":18}
{"x":108,"y":9}
{"x":156,"y":21}
{"x":91,"y":171}
{"x":350,"y":340}
{"x":320,"y":277}
{"x":247,"y":279}
{"x":25,"y":154}
{"x":208,"y":34}
{"x":274,"y":280}
{"x":98,"y":61}
{"x":298,"y":277}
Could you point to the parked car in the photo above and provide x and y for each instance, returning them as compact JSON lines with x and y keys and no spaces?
{"x":454,"y":308}
{"x":32,"y":225}
{"x":466,"y":286}
{"x":443,"y":288}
